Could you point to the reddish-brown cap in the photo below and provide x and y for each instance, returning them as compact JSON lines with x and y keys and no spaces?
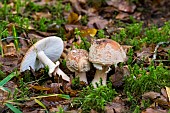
{"x":106,"y":52}
{"x":77,"y":60}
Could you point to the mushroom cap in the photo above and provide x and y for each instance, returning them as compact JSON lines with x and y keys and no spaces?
{"x":52,"y":47}
{"x":106,"y":52}
{"x":77,"y":60}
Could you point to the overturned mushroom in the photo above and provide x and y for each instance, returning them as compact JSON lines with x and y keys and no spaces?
{"x":44,"y":53}
{"x":77,"y":61}
{"x":103,"y":53}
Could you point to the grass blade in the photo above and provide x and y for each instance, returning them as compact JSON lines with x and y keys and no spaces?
{"x":9,"y":77}
{"x":14,"y":109}
{"x":64,"y":96}
{"x":40,"y":103}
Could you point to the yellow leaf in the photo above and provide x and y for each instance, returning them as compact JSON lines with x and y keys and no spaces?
{"x":168,"y":92}
{"x":41,"y":88}
{"x":40,"y":103}
{"x":89,"y":32}
{"x":73,"y":18}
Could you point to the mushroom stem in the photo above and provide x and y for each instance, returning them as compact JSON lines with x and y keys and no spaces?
{"x":82,"y":76}
{"x":100,"y":74}
{"x":46,"y":61}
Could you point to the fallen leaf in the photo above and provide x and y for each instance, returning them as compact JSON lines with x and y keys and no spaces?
{"x":122,"y":5}
{"x":122,"y":16}
{"x":9,"y":63}
{"x":73,"y":18}
{"x":41,"y":88}
{"x":154,"y":110}
{"x":114,"y":107}
{"x":89,"y":32}
{"x":10,"y":50}
{"x":118,"y":76}
{"x":164,"y":93}
{"x":97,"y":22}
{"x":39,"y":15}
{"x":76,"y":7}
{"x":157,"y":98}
{"x":168,"y":92}
{"x":126,"y":6}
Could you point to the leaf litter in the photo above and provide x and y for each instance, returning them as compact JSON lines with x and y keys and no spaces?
{"x":89,"y":19}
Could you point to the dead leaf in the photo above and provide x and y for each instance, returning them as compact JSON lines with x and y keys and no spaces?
{"x":97,"y":22}
{"x":155,"y":110}
{"x":122,"y":16}
{"x":115,"y":107}
{"x":126,"y":6}
{"x":89,"y":32}
{"x":76,"y":7}
{"x":117,"y":77}
{"x":39,"y":15}
{"x":9,"y":63}
{"x":151,"y":95}
{"x":10,"y":50}
{"x":157,"y":98}
{"x":93,"y":111}
{"x":73,"y":18}
{"x":168,"y":92}
{"x":41,"y":88}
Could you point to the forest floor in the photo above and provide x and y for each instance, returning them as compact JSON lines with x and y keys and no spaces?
{"x":141,"y":84}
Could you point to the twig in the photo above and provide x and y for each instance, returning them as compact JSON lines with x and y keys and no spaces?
{"x":156,"y":49}
{"x":11,"y":37}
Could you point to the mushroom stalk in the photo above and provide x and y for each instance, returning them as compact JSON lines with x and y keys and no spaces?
{"x":82,"y":76}
{"x":46,"y":61}
{"x":99,"y":74}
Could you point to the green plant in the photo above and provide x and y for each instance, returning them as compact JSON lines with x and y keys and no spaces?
{"x":94,"y":98}
{"x":84,"y":20}
{"x":42,"y":24}
{"x":23,"y":90}
{"x":33,"y":7}
{"x":142,"y":80}
{"x":16,"y":42}
{"x":84,"y":43}
{"x":5,"y":10}
{"x":100,"y":34}
{"x":61,"y":110}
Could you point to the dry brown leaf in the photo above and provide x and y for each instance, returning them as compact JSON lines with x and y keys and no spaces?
{"x":93,"y":111}
{"x":39,"y":15}
{"x":122,"y":5}
{"x":73,"y":18}
{"x":157,"y":98}
{"x":117,"y":77}
{"x":97,"y":22}
{"x":9,"y":63}
{"x":117,"y":105}
{"x":168,"y":92}
{"x":76,"y":7}
{"x":164,"y":93}
{"x":126,"y":6}
{"x":151,"y":95}
{"x":122,"y":16}
{"x":41,"y":88}
{"x":155,"y":110}
{"x":10,"y":50}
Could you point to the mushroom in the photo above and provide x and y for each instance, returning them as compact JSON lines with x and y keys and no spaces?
{"x":77,"y":61}
{"x":103,"y":53}
{"x":44,"y":53}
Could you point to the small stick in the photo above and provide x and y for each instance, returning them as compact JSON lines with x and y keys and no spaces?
{"x":156,"y":49}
